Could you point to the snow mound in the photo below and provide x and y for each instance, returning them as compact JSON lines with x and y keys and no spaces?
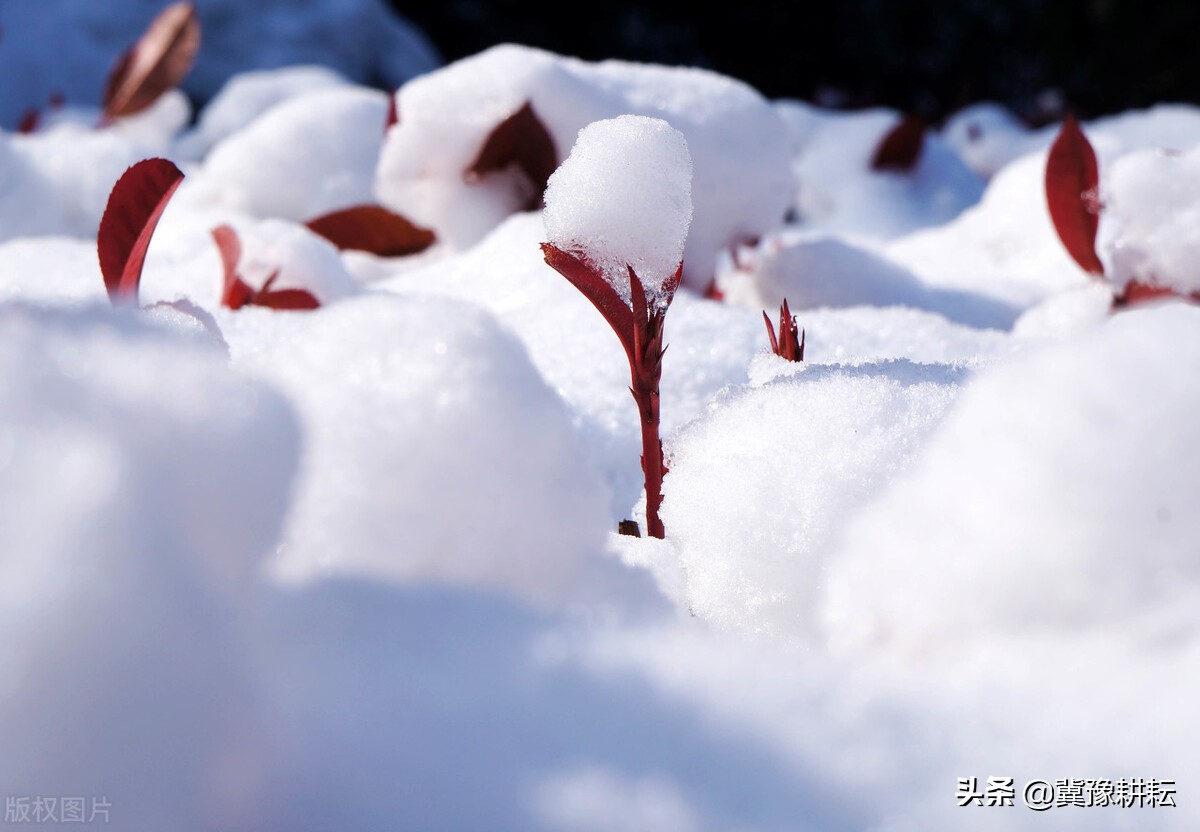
{"x":814,"y":271}
{"x":737,"y":142}
{"x":57,"y":182}
{"x":435,"y":451}
{"x":1004,"y":248}
{"x":835,"y":189}
{"x":141,"y":485}
{"x":761,"y":482}
{"x":1152,"y":202}
{"x":246,"y":97}
{"x":623,"y":199}
{"x":310,"y":155}
{"x":1077,"y":511}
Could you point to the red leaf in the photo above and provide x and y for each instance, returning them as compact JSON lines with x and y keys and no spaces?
{"x":393,"y":113}
{"x":156,"y":64}
{"x":520,"y":141}
{"x":134,"y":208}
{"x":1072,"y":181}
{"x":30,"y":120}
{"x":588,"y":280}
{"x":236,"y":293}
{"x":287,"y":299}
{"x":374,"y":229}
{"x":1138,"y":292}
{"x":790,"y":344}
{"x":901,"y":148}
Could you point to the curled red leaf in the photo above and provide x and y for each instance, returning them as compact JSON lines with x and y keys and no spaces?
{"x":134,"y":208}
{"x":900,"y":148}
{"x":1072,"y":182}
{"x":156,"y":64}
{"x":592,"y":285}
{"x":521,"y":141}
{"x":374,"y":229}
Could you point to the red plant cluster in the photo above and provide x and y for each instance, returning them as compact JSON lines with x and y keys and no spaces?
{"x":639,"y":327}
{"x":237,"y":293}
{"x":790,"y":343}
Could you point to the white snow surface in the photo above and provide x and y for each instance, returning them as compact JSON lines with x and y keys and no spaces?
{"x":356,"y":568}
{"x":1152,"y":202}
{"x":623,"y":199}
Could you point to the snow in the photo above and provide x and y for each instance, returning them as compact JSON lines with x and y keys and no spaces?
{"x":310,"y":155}
{"x":751,"y":509}
{"x":248,"y":95}
{"x":812,"y":271}
{"x":357,"y":567}
{"x":623,"y":199}
{"x":1088,"y":458}
{"x":835,"y":189}
{"x":737,"y":142}
{"x":1150,"y":201}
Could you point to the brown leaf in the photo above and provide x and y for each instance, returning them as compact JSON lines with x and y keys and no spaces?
{"x":374,"y":229}
{"x":134,"y":207}
{"x":1072,"y":182}
{"x":521,"y":141}
{"x":156,"y":64}
{"x":900,"y":149}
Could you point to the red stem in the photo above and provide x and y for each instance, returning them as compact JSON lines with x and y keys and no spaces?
{"x":653,"y":467}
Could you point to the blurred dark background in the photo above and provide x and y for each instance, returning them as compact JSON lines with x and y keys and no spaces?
{"x":924,"y":56}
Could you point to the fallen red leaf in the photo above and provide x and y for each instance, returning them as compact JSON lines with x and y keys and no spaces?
{"x":900,"y":148}
{"x":134,"y":207}
{"x":156,"y":64}
{"x":374,"y":229}
{"x":1072,"y":183}
{"x":521,"y":141}
{"x":287,"y":300}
